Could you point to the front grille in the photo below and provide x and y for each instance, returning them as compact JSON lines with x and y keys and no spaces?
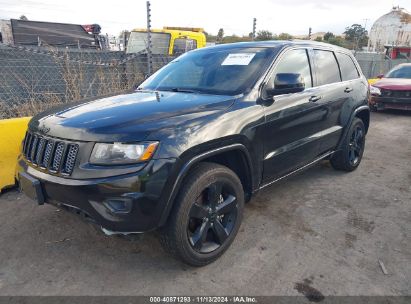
{"x":52,"y":155}
{"x":398,"y":94}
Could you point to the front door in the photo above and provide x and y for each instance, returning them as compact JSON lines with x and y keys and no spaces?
{"x":293,"y":122}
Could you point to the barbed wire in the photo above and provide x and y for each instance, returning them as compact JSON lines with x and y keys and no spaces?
{"x":46,"y":52}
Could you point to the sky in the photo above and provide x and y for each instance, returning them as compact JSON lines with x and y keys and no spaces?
{"x":235,"y":17}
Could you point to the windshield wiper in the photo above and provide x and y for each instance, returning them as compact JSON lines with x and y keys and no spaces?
{"x":182,"y":90}
{"x":142,"y":90}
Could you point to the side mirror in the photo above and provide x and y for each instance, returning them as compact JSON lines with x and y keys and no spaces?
{"x":285,"y":83}
{"x":380,"y":76}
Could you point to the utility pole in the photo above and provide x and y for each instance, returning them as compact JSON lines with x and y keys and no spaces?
{"x":149,"y":46}
{"x":124,"y":40}
{"x":365,"y":23}
{"x":309,"y":33}
{"x":365,"y":27}
{"x":254,"y":28}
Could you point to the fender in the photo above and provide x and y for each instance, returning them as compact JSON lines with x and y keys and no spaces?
{"x":189,"y":164}
{"x":353,"y":115}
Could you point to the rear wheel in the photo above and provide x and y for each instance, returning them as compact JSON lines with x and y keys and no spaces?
{"x":206,"y":216}
{"x":350,"y":155}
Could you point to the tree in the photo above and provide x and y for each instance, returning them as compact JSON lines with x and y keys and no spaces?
{"x":235,"y":38}
{"x":337,"y":40}
{"x":319,"y":39}
{"x":328,"y":36}
{"x":285,"y":36}
{"x":23,"y":17}
{"x":220,"y":34}
{"x":264,"y":35}
{"x":354,"y":31}
{"x":210,"y":37}
{"x":357,"y":35}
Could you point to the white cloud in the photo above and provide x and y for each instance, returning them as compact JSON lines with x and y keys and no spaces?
{"x":292,"y":16}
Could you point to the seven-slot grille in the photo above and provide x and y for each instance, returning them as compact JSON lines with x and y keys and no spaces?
{"x":50,"y":154}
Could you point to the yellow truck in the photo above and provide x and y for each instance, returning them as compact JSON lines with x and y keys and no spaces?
{"x":11,"y":135}
{"x":167,"y":41}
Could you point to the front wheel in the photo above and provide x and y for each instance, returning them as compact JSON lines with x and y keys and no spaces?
{"x":206,"y":215}
{"x":352,"y":149}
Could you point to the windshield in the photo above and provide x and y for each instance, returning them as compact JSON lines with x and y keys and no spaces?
{"x":138,"y":42}
{"x":211,"y":71}
{"x":400,"y":72}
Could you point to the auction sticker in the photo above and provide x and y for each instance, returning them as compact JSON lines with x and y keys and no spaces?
{"x":238,"y":59}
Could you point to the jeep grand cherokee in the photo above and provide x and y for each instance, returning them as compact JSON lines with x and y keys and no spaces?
{"x":197,"y":139}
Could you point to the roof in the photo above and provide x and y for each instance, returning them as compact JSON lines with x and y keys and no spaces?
{"x":169,"y":30}
{"x":280,"y":44}
{"x":404,"y":64}
{"x":393,"y":29}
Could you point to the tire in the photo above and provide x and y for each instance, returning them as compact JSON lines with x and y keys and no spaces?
{"x":352,"y":149}
{"x":193,"y":231}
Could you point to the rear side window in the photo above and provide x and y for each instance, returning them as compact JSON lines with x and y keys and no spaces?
{"x":348,"y":69}
{"x":327,"y":67}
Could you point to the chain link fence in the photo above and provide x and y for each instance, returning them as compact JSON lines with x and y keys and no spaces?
{"x":35,"y":79}
{"x":373,"y":64}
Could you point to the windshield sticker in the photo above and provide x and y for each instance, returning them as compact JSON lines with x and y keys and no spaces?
{"x":238,"y":59}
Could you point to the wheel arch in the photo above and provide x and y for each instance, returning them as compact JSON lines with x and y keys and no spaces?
{"x":234,"y":156}
{"x":363,"y":113}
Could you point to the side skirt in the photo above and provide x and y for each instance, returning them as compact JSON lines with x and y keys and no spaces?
{"x":318,"y":159}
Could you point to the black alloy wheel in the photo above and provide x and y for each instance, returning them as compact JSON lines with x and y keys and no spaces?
{"x":356,"y":145}
{"x":350,"y":154}
{"x":212,"y":217}
{"x":206,"y":215}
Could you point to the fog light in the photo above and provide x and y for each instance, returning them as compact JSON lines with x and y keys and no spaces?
{"x":119,"y":205}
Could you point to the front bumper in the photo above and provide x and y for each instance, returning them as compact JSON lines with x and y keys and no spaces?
{"x":381,"y":103}
{"x":133,"y":202}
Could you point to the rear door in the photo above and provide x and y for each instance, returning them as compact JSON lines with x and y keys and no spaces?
{"x":333,"y":96}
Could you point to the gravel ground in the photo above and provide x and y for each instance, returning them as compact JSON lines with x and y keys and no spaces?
{"x":322,"y":232}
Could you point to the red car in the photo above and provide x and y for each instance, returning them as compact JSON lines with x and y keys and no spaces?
{"x":392,"y":91}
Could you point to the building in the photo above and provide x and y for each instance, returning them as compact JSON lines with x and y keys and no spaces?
{"x":392,"y":30}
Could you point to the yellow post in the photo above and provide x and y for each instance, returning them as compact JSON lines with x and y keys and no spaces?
{"x":12,"y":133}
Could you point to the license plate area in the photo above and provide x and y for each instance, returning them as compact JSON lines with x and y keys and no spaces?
{"x":31,"y":187}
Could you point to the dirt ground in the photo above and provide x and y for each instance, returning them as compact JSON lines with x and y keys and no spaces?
{"x":322,"y":232}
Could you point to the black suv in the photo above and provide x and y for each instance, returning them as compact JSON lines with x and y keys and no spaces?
{"x":184,"y":151}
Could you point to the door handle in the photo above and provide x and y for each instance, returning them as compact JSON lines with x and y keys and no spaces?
{"x":314,"y":98}
{"x":348,"y":90}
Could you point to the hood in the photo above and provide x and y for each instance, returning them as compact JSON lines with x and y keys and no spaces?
{"x":399,"y":84}
{"x":128,"y":117}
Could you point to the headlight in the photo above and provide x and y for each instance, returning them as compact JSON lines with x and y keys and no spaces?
{"x":118,"y":153}
{"x":375,"y":91}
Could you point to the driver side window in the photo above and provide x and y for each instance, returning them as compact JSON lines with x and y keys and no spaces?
{"x":296,"y":62}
